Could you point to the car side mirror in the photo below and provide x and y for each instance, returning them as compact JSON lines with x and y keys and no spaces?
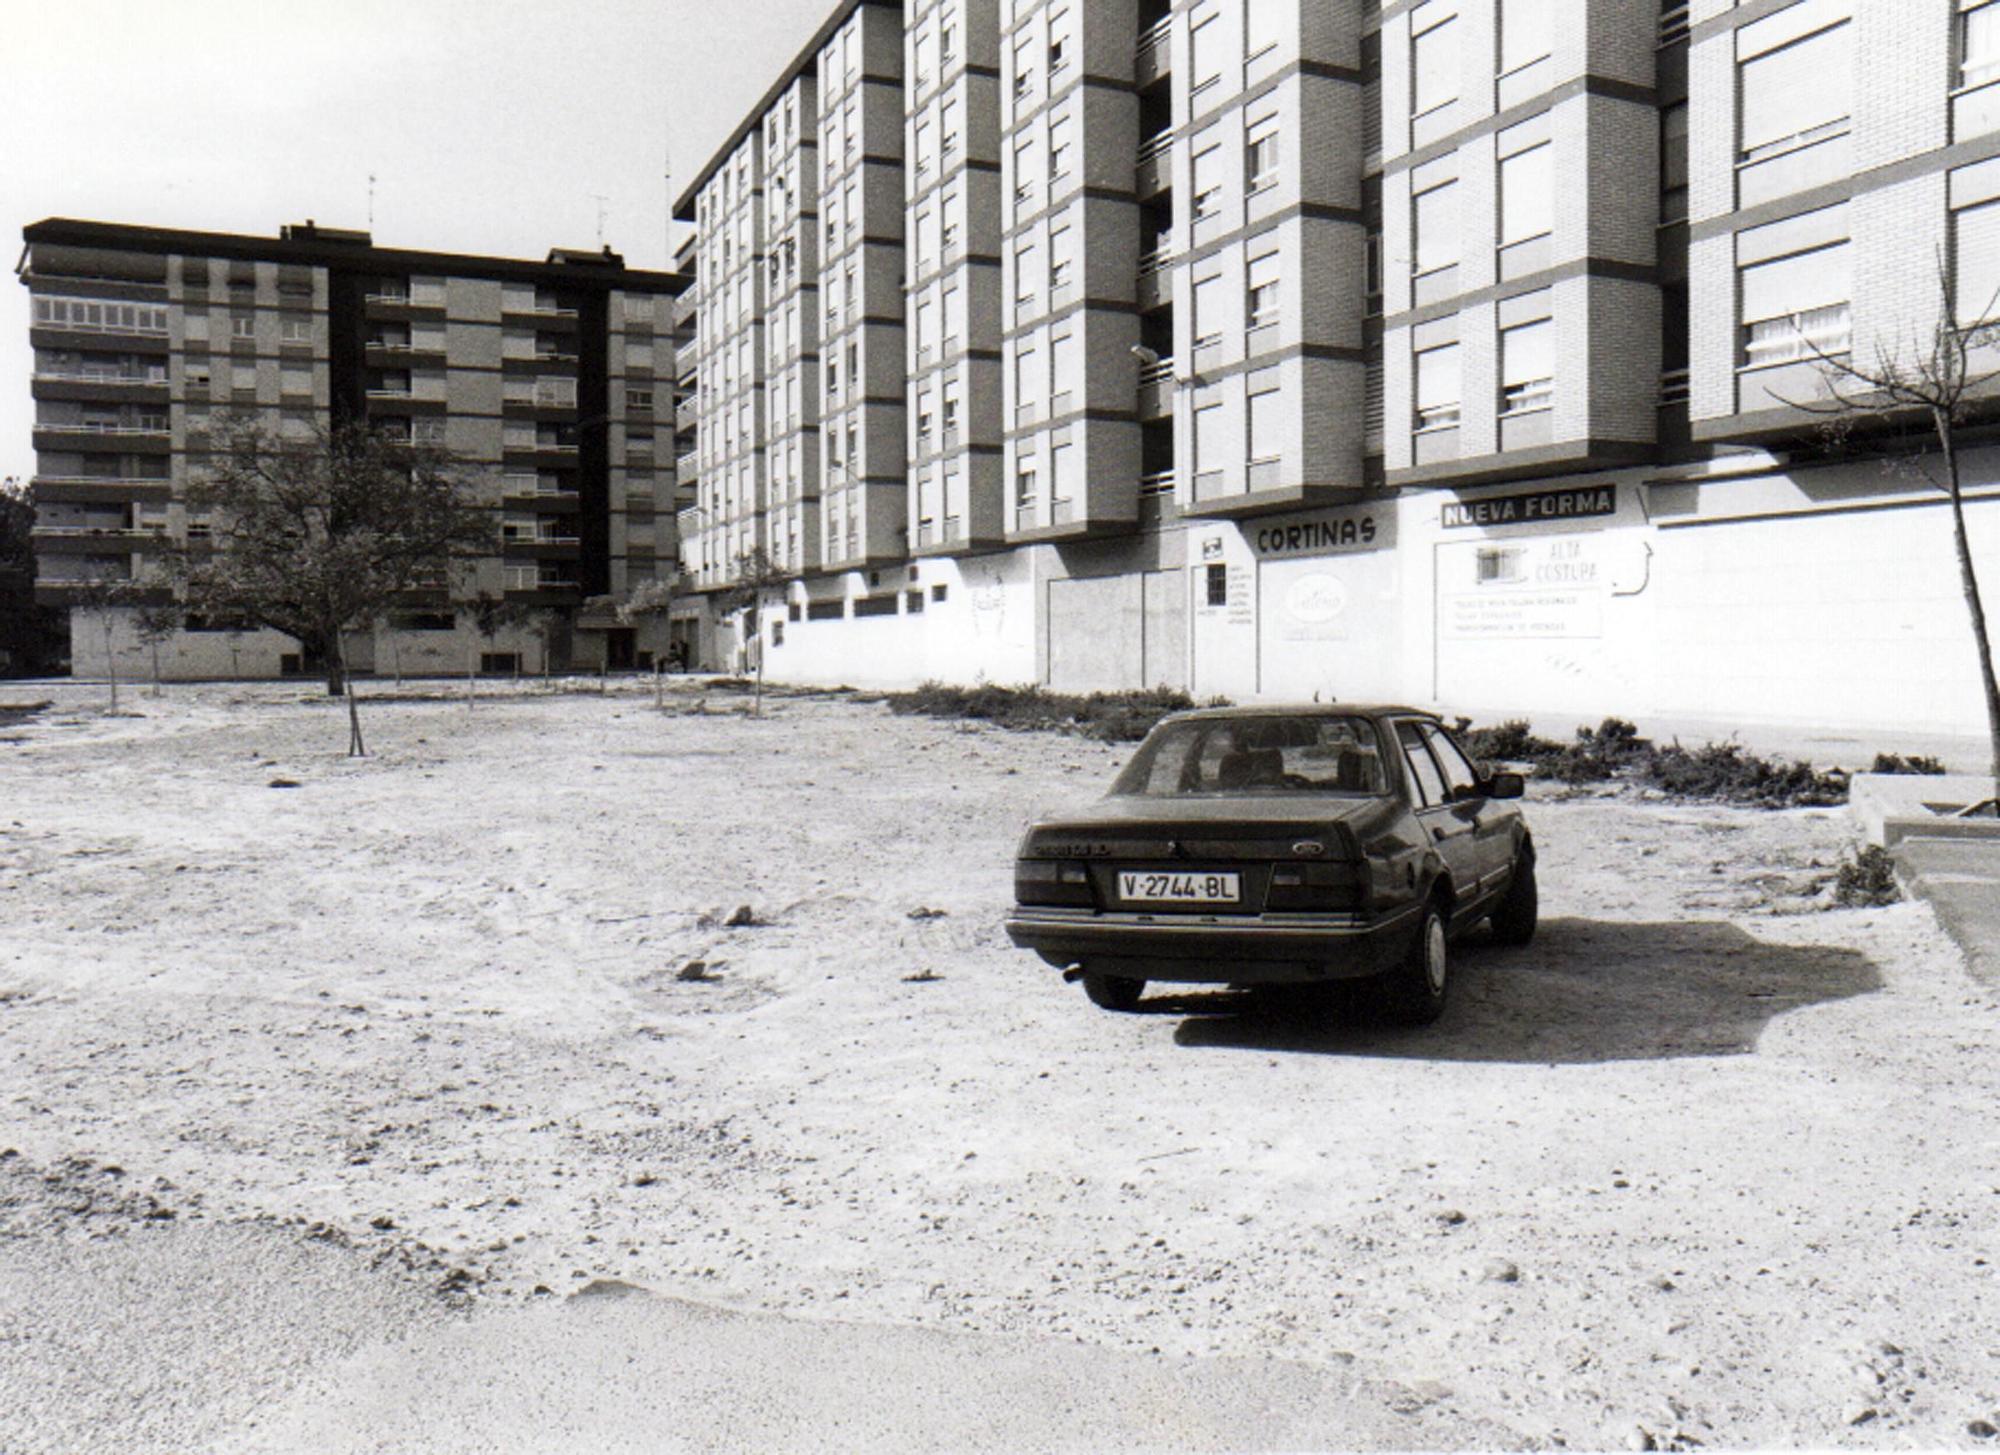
{"x":1506,"y":785}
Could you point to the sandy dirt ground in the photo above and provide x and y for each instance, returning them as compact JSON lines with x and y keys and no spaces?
{"x":1708,"y":1164}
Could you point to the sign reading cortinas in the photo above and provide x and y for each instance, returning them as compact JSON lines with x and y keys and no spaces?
{"x":1537,"y":505}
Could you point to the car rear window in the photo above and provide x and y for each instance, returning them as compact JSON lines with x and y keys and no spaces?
{"x":1262,"y":754}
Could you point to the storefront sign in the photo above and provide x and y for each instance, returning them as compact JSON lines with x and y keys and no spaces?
{"x":1320,"y":533}
{"x":1538,"y":505}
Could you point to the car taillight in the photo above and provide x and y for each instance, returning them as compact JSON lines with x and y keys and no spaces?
{"x":1051,"y":881}
{"x":1314,"y":886}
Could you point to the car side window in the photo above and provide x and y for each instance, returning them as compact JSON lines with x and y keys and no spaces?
{"x":1423,"y":769}
{"x":1458,"y":774}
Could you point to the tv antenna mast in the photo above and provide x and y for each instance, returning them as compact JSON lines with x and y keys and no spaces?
{"x":371,"y":202}
{"x":603,"y":203}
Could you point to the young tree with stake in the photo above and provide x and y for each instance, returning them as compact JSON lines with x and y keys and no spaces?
{"x":1923,"y":391}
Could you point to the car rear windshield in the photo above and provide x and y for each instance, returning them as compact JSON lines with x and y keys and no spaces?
{"x":1264,"y":754}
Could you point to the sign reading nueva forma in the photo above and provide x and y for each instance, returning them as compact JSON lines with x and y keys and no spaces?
{"x":1535,"y":505}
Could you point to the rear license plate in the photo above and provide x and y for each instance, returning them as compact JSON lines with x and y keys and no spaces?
{"x":1143,"y":887}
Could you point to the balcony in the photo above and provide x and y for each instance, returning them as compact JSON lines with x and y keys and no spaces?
{"x":100,"y":427}
{"x":85,"y":540}
{"x":1152,"y":56}
{"x":1156,"y":389}
{"x":1154,"y":172}
{"x":1158,"y":482}
{"x":395,"y":306}
{"x":114,"y":377}
{"x":100,"y":489}
{"x":534,"y":580}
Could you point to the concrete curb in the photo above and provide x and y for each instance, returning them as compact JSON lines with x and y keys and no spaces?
{"x":1896,"y":806}
{"x":1961,"y":880}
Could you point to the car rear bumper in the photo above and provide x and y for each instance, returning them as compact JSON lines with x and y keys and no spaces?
{"x":1260,"y":949}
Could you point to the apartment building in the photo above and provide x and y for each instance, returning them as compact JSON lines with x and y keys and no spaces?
{"x":539,"y":376}
{"x":865,"y":486}
{"x":1461,"y":351}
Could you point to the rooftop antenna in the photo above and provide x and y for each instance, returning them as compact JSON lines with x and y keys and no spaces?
{"x":371,"y":202}
{"x":602,"y":202}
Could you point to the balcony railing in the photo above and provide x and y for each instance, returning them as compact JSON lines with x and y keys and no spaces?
{"x":1161,"y":372}
{"x":99,"y":376}
{"x":1156,"y":146}
{"x":70,"y":532}
{"x":1674,"y":387}
{"x":1674,"y":22}
{"x":1156,"y":34}
{"x":1158,"y":482}
{"x":92,"y":426}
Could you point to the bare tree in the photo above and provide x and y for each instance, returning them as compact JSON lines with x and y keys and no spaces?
{"x":104,"y":595}
{"x":757,"y":575}
{"x":154,"y":623}
{"x":1928,"y":385}
{"x":319,"y":536}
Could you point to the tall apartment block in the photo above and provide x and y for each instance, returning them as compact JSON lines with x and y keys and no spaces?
{"x":540,"y":377}
{"x":1460,"y":351}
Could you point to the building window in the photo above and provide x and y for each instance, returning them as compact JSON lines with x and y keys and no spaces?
{"x":1975,"y":251}
{"x":1027,"y":380}
{"x":1260,"y":299}
{"x":1796,"y":308}
{"x":1526,"y":35}
{"x":1797,"y":94}
{"x":1062,"y":257}
{"x":294,"y":330}
{"x":1437,"y":387}
{"x":1208,"y":183}
{"x":1434,"y":66}
{"x":243,"y":325}
{"x":1024,"y":275}
{"x":1527,"y":367}
{"x":1260,"y":154}
{"x":1979,"y":44}
{"x":1434,"y":235}
{"x":1527,"y":210}
{"x":1674,"y":162}
{"x":1065,"y":373}
{"x":1263,"y":27}
{"x":1211,"y":454}
{"x":1208,"y":310}
{"x":1059,"y":147}
{"x":1266,"y":424}
{"x":1216,"y":584}
{"x":1205,"y":52}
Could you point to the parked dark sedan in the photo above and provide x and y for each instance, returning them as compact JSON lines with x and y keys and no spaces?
{"x":1294,"y":845}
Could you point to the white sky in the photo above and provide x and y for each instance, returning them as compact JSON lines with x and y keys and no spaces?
{"x":489,"y":123}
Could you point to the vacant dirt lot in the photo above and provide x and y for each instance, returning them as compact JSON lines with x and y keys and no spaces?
{"x":1706,"y":1164}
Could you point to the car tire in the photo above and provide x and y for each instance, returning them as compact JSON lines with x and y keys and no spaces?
{"x":1414,"y":993}
{"x":1513,"y":919}
{"x":1112,"y":992}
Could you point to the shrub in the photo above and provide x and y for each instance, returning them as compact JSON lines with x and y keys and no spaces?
{"x":1112,"y":717}
{"x":1510,"y":742}
{"x":1598,"y":754}
{"x":1869,"y":878}
{"x":1724,"y":772}
{"x":1916,"y":763}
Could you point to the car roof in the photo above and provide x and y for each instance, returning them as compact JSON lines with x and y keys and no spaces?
{"x":1303,"y":709}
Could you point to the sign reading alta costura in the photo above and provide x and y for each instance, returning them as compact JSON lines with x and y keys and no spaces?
{"x":1535,"y":506}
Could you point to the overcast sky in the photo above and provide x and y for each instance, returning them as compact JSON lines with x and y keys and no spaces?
{"x":491,"y":125}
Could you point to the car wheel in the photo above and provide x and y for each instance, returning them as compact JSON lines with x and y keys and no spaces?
{"x":1112,"y":992}
{"x":1513,"y":919}
{"x":1414,"y":992}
